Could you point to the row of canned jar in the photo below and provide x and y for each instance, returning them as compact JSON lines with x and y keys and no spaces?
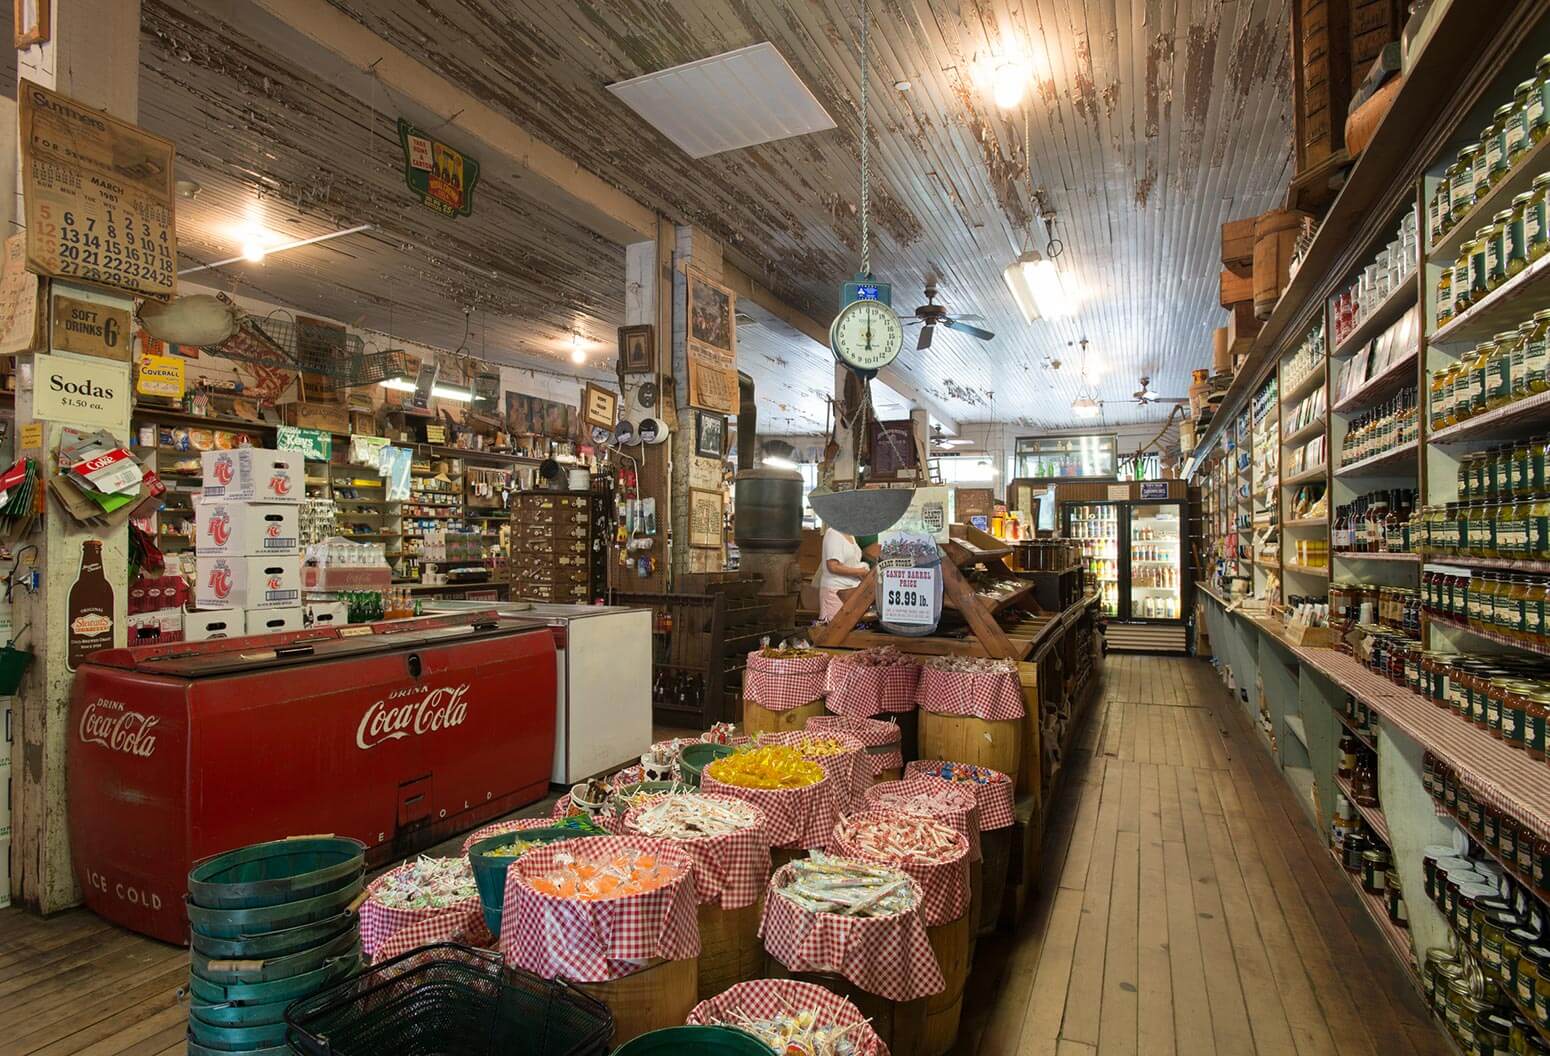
{"x":1513,"y":365}
{"x":1512,"y":605}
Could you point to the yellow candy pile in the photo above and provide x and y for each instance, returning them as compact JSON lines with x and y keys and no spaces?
{"x":814,"y":747}
{"x":773,"y":766}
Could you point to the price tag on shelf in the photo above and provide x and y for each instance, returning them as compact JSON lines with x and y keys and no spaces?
{"x":909,"y":596}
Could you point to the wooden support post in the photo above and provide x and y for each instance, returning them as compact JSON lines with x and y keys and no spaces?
{"x":855,"y":606}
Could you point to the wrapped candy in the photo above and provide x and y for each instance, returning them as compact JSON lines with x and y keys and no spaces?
{"x":429,"y":883}
{"x":820,"y":747}
{"x":898,"y":837}
{"x":880,"y":656}
{"x":824,"y":884}
{"x":772,"y":766}
{"x":798,"y":1033}
{"x":630,"y":873}
{"x":972,"y":665}
{"x":967,"y":772}
{"x":692,"y":816}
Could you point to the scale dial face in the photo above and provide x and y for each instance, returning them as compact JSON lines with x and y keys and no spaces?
{"x":866,"y":335}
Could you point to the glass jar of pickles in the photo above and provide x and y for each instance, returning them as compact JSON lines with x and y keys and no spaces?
{"x":1498,"y":381}
{"x":1532,"y":206}
{"x":1514,"y":241}
{"x":1496,"y":148}
{"x":1461,"y":182}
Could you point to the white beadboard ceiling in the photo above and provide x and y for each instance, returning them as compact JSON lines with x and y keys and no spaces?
{"x":1151,"y":121}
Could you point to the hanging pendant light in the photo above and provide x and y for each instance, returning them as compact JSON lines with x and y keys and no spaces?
{"x":1086,"y":407}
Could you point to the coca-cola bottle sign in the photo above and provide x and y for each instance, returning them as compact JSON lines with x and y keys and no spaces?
{"x":89,"y":612}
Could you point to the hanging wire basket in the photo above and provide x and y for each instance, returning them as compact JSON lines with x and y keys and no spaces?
{"x":324,"y":350}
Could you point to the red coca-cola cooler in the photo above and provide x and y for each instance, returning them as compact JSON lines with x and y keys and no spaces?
{"x":399,"y":734}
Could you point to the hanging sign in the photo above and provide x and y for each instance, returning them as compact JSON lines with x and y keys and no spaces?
{"x":314,"y":444}
{"x":80,"y":392}
{"x":90,"y":328}
{"x":908,"y":596}
{"x":98,"y":193}
{"x":442,"y":176}
{"x":160,"y":376}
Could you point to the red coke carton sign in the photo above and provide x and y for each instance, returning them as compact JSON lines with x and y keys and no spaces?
{"x":238,"y":528}
{"x":248,"y":582}
{"x":254,"y":474}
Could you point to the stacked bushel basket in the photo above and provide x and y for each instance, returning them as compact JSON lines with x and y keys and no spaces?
{"x":270,"y":923}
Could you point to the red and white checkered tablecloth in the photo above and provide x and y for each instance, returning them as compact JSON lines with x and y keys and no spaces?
{"x":795,"y":818}
{"x":994,"y":696}
{"x":887,"y":956}
{"x":932,"y":798}
{"x":863,"y":690}
{"x":880,"y":736}
{"x":994,"y":796}
{"x":944,"y":882}
{"x":846,"y":770}
{"x":781,"y":685}
{"x":387,"y":931}
{"x":593,"y":942}
{"x":730,"y":870}
{"x":497,"y":828}
{"x":767,"y":998}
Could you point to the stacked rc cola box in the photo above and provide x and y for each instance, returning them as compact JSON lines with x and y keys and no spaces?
{"x":247,"y":543}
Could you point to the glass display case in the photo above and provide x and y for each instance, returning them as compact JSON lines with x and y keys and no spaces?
{"x":1090,"y":456}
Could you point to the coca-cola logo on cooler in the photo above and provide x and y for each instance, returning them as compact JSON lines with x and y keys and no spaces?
{"x":220,"y":528}
{"x":116,"y":727}
{"x":225,"y":469}
{"x":402,"y":715}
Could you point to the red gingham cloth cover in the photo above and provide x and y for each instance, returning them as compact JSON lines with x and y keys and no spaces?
{"x":496,"y":828}
{"x":768,"y":998}
{"x":387,"y":931}
{"x":781,"y":685}
{"x":729,"y":870}
{"x":932,"y":798}
{"x":995,"y":796}
{"x":848,"y":769}
{"x":795,"y":818}
{"x":887,"y":956}
{"x":593,"y":942}
{"x":944,"y":884}
{"x":994,"y":696}
{"x":880,"y":737}
{"x":864,"y":690}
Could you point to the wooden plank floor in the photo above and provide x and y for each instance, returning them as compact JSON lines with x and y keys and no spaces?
{"x":1188,"y":905}
{"x":1188,"y":908}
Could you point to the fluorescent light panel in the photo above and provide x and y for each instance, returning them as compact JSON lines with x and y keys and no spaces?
{"x":441,"y":392}
{"x":726,"y":102}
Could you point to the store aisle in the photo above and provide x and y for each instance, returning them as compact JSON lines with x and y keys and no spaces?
{"x":1191,"y":908}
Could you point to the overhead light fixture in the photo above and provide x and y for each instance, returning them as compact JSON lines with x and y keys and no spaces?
{"x":1086,"y":407}
{"x":258,"y":242}
{"x":440,"y":392}
{"x":1008,"y":83}
{"x":578,"y":354}
{"x":1037,"y":287}
{"x":777,"y":462}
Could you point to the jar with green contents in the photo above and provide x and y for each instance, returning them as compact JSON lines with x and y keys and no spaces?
{"x":1513,"y":529}
{"x":1482,"y":265}
{"x":1514,"y":943}
{"x":1520,"y":133}
{"x":1444,"y":296}
{"x":1495,"y":263}
{"x":1515,"y":240}
{"x":1493,"y":939}
{"x":1463,"y":293}
{"x":1461,"y":182}
{"x":1437,"y":210}
{"x":1498,"y":382}
{"x":1441,"y":969}
{"x":1497,"y":152}
{"x":1528,"y":972}
{"x":1536,"y":355}
{"x":1464,"y":1009}
{"x":1478,"y":366}
{"x":1542,"y":985}
{"x":1534,"y":468}
{"x":1538,"y":112}
{"x":1539,"y":526}
{"x":1524,"y":331}
{"x":1480,"y":165}
{"x":1493,"y":1033}
{"x":1535,"y":240}
{"x":1517,"y":455}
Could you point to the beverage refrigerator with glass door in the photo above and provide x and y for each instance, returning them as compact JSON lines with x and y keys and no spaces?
{"x":1135,"y":551}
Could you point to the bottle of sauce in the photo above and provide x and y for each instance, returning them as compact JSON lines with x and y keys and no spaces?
{"x":1479,"y":365}
{"x":1498,"y":387}
{"x":1539,"y":526}
{"x":1536,"y":355}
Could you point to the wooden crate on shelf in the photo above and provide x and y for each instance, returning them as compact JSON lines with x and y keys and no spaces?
{"x":1235,"y":288}
{"x":1275,"y":242}
{"x":1321,"y":80}
{"x":1238,"y":245}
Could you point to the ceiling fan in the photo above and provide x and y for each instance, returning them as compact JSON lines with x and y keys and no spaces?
{"x":930,"y":314}
{"x":1145,"y":394}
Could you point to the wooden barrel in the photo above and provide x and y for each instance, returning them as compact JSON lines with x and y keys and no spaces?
{"x":730,"y":950}
{"x":1031,"y":776}
{"x":909,"y":735}
{"x":967,"y":739}
{"x":893,"y":773}
{"x":1221,"y":352}
{"x":660,"y":995}
{"x":1275,"y":241}
{"x":900,"y":1024}
{"x":996,"y":846}
{"x":976,"y":896}
{"x":951,"y":944}
{"x":779,"y":856}
{"x":758,"y":719}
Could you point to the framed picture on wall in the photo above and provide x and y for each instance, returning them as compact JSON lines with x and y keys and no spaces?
{"x":705,"y":522}
{"x":29,"y":22}
{"x":638,"y":349}
{"x":599,"y":406}
{"x":711,"y":318}
{"x":710,"y":435}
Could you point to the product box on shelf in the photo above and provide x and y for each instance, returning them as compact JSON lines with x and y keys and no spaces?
{"x":248,"y":582}
{"x":159,"y":626}
{"x":238,"y":528}
{"x":206,"y":624}
{"x":325,"y":614}
{"x":255,"y":474}
{"x":274,"y":621}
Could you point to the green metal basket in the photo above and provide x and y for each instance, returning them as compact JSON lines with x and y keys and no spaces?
{"x":196,"y":1049}
{"x":267,"y":874}
{"x":694,"y":758}
{"x":237,"y":923}
{"x":686,"y":1041}
{"x":282,"y":991}
{"x":221,"y":970}
{"x":490,"y":869}
{"x":274,"y":943}
{"x":235,"y":1039}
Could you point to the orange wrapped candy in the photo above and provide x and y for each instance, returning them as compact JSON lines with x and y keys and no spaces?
{"x":630,"y":873}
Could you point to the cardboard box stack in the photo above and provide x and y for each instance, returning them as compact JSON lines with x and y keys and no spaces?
{"x":247,"y":544}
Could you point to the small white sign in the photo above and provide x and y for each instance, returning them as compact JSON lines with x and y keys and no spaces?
{"x":1119,"y":492}
{"x":908,"y":594}
{"x":81,"y":392}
